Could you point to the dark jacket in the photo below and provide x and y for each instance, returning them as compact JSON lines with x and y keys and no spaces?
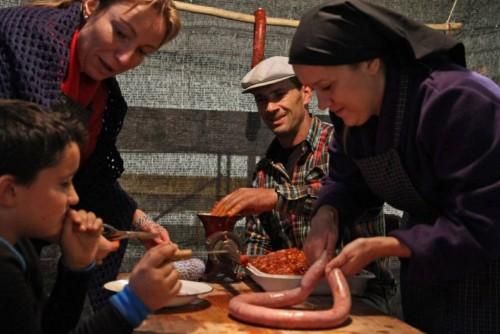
{"x":26,"y":309}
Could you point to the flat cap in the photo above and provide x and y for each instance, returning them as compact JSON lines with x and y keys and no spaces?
{"x":267,"y":72}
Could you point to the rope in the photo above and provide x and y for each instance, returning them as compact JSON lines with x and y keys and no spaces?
{"x":449,"y":16}
{"x":451,"y":11}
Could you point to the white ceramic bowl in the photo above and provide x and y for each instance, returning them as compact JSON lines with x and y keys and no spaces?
{"x":268,"y":282}
{"x":190,"y":290}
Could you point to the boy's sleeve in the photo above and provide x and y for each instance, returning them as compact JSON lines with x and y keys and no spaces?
{"x":65,"y":304}
{"x":19,"y":311}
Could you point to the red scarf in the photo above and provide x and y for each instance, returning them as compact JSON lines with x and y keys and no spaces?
{"x":86,"y":92}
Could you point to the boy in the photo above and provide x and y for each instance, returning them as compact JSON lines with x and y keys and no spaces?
{"x":39,"y":154}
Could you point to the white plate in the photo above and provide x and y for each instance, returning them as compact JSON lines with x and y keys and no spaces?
{"x":190,"y":290}
{"x":268,"y":282}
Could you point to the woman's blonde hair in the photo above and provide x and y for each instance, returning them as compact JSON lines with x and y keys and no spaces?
{"x":165,"y":7}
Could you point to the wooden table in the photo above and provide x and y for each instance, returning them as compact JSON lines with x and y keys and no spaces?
{"x":209,"y":315}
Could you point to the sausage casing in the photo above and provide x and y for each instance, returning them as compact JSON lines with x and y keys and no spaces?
{"x":264,"y":308}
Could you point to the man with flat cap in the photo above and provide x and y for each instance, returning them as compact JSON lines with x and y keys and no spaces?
{"x":287,"y":180}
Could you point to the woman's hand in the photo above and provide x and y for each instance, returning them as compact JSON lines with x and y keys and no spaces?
{"x":80,"y":239}
{"x":143,"y":222}
{"x":360,"y":252}
{"x":323,"y":234}
{"x":355,"y":256}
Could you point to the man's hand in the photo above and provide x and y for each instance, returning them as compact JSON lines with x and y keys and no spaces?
{"x":80,"y":239}
{"x":323,"y":234}
{"x":246,"y":201}
{"x":143,"y":222}
{"x":154,"y":279}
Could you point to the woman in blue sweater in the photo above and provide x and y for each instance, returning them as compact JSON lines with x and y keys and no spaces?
{"x":73,"y":49}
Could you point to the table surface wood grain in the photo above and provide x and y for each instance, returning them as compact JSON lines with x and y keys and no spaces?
{"x":208,"y":314}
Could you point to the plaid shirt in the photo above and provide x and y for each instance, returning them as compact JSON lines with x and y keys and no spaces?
{"x":288,"y":224}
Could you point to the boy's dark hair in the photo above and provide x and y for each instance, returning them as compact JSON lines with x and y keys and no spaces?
{"x":33,"y":138}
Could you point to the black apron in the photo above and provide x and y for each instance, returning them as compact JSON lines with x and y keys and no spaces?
{"x":468,"y":305}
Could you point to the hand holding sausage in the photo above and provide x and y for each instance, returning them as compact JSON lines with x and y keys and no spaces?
{"x":323,"y":235}
{"x":360,"y":252}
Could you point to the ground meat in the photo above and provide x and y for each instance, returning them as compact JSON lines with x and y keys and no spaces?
{"x":291,"y":261}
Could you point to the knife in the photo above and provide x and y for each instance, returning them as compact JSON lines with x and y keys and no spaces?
{"x":112,"y":233}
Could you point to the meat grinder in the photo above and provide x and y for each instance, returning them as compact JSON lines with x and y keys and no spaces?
{"x":220,"y":237}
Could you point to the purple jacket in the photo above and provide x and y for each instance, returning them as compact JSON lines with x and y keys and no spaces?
{"x":450,"y":148}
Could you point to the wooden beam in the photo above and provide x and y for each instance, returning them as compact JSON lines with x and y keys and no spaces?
{"x":242,"y":17}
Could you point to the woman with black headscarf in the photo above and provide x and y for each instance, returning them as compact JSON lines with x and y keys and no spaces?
{"x":416,"y":129}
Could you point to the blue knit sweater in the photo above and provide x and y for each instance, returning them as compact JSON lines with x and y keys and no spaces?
{"x":34,"y":54}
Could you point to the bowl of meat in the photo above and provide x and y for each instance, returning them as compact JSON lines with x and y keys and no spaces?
{"x":283,"y":270}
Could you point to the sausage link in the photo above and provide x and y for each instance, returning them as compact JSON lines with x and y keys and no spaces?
{"x":314,"y":273}
{"x":261,"y":308}
{"x":259,"y":36}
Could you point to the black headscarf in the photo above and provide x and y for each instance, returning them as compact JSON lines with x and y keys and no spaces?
{"x":346,"y":32}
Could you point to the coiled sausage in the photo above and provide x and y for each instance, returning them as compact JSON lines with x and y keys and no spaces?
{"x":264,"y":308}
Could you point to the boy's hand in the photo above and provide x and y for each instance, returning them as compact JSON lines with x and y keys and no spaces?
{"x":80,"y":239}
{"x":105,"y":247}
{"x":154,"y":279}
